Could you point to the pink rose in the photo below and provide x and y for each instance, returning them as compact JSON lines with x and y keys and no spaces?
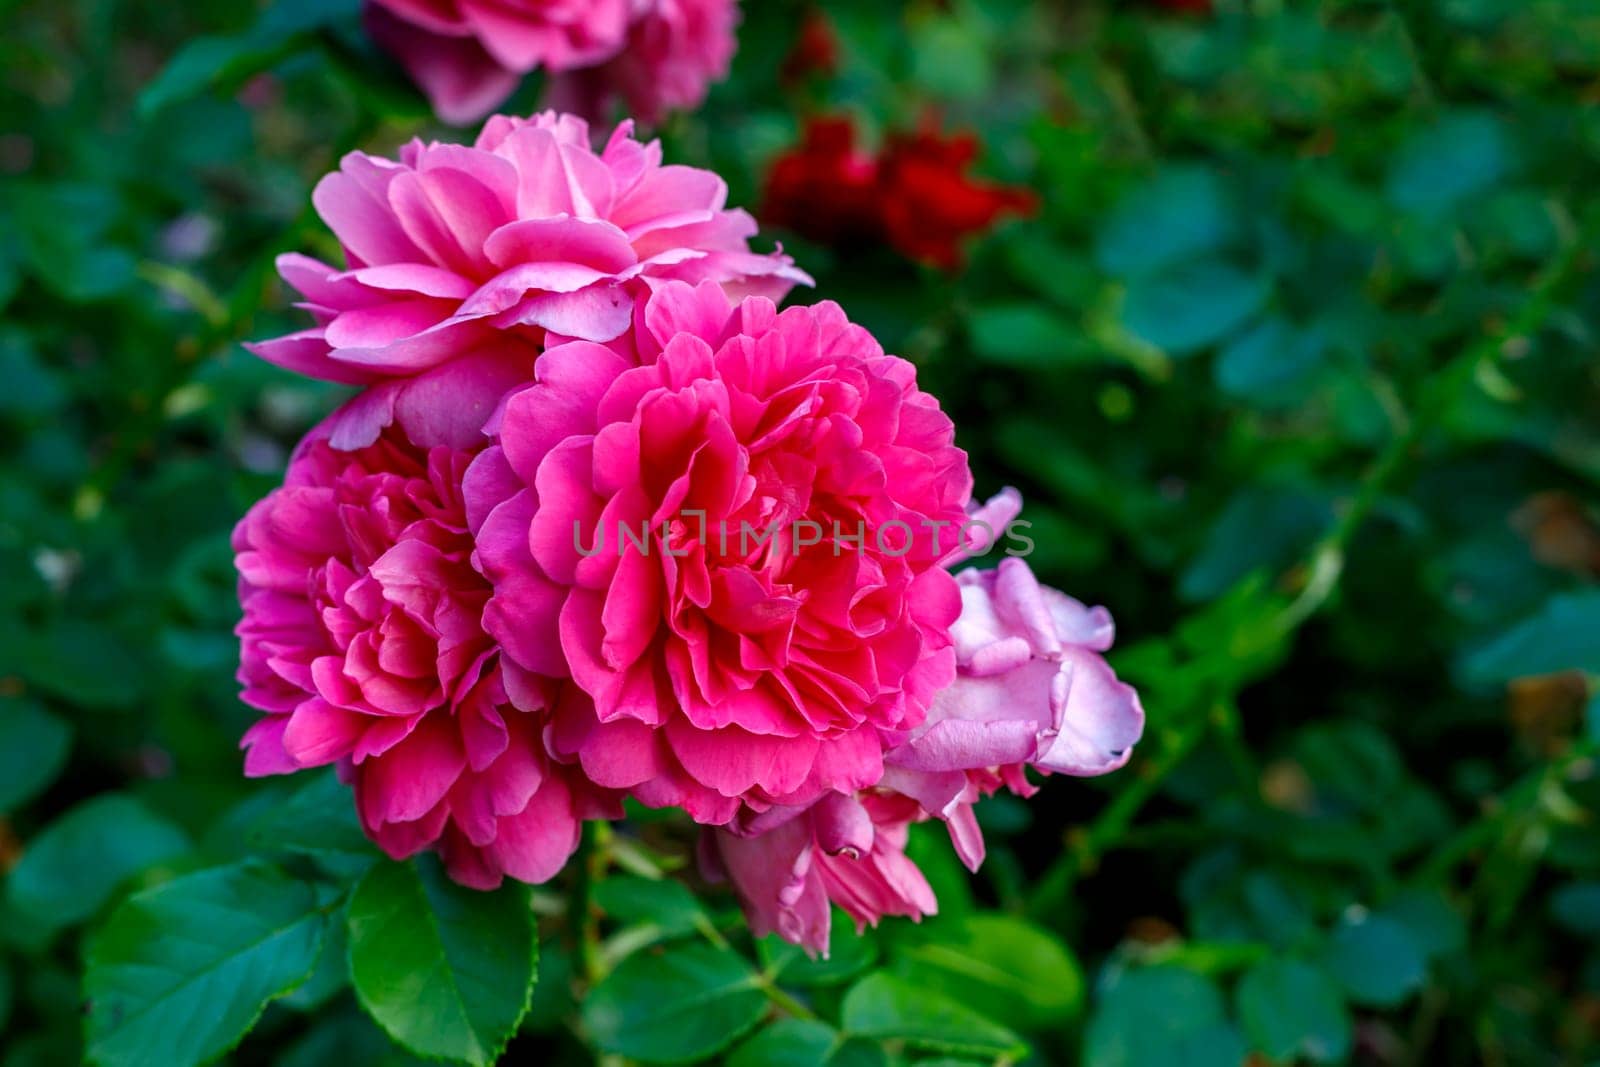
{"x":1032,"y":690}
{"x":469,"y":55}
{"x":460,"y":260}
{"x":675,"y":50}
{"x":796,"y":604}
{"x":361,"y":641}
{"x":847,"y":850}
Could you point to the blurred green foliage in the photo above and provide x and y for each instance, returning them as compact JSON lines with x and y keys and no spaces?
{"x":1295,"y":367}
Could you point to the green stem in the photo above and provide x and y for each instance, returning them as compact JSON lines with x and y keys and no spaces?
{"x":783,"y":999}
{"x":592,"y":859}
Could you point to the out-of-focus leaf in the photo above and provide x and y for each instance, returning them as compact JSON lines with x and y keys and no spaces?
{"x":887,"y":1008}
{"x":1291,"y":1009}
{"x":180,"y":972}
{"x":72,"y":868}
{"x":1177,"y":215}
{"x":86,"y":662}
{"x":1024,"y":335}
{"x":32,"y":391}
{"x":207,"y":61}
{"x":33,"y":748}
{"x":849,"y":953}
{"x":1436,"y":927}
{"x":62,"y":226}
{"x":1563,"y":636}
{"x":1193,"y":306}
{"x":1157,"y":1016}
{"x":663,"y":902}
{"x":446,"y":971}
{"x":1004,"y":968}
{"x":805,"y":1043}
{"x":1576,"y":906}
{"x":949,"y":58}
{"x":1376,"y":960}
{"x":1262,"y":526}
{"x":683,"y":1003}
{"x":1443,"y":164}
{"x":1269,"y":359}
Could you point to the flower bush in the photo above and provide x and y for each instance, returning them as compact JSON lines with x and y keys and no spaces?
{"x":702,"y":564}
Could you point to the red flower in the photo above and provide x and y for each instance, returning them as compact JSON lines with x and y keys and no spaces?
{"x":916,"y":196}
{"x":825,"y":187}
{"x":815,"y":51}
{"x":929,"y":202}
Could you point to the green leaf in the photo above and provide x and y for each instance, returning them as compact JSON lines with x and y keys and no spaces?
{"x":33,"y":748}
{"x":5,"y":995}
{"x":1443,"y":164}
{"x":1376,"y":960}
{"x":446,"y":971}
{"x":1576,"y":906}
{"x":887,"y":1008}
{"x":200,"y":63}
{"x":849,"y":953}
{"x":1004,"y":968}
{"x":663,"y":903}
{"x":1262,"y":526}
{"x":1193,"y":306}
{"x":1161,"y":1017}
{"x":1433,"y":922}
{"x":1563,"y":636}
{"x":683,"y":1003}
{"x":207,"y":61}
{"x":1270,"y":359}
{"x":62,"y":228}
{"x":805,"y":1043}
{"x":1291,"y":1009}
{"x":180,"y":972}
{"x":1177,"y":215}
{"x":332,"y":974}
{"x":319,"y":819}
{"x":1024,"y":335}
{"x":74,"y":866}
{"x":950,"y":58}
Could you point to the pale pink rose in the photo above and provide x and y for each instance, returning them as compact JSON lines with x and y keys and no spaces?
{"x":469,"y":55}
{"x":1032,"y":690}
{"x":740,"y":670}
{"x":361,"y":641}
{"x":461,"y":260}
{"x":675,"y":50}
{"x":850,"y":851}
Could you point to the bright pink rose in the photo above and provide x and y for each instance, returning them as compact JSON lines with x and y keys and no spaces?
{"x":469,"y":55}
{"x":675,"y":50}
{"x":460,"y":260}
{"x":1033,"y":690}
{"x":362,"y":643}
{"x":847,"y":850}
{"x":797,"y":604}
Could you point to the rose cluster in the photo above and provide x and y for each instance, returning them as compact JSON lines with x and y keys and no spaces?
{"x":915,"y":195}
{"x":468,"y":56}
{"x":603,"y":521}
